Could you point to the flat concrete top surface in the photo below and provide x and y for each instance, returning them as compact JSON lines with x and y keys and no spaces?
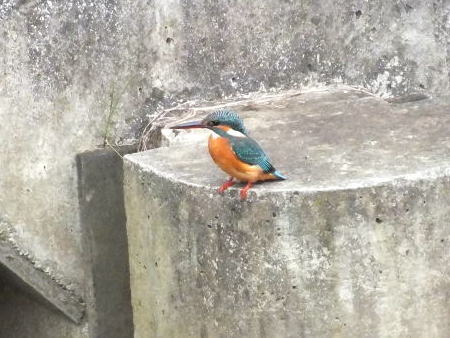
{"x":323,"y":140}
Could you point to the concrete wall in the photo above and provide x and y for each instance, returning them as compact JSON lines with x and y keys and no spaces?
{"x":76,"y":72}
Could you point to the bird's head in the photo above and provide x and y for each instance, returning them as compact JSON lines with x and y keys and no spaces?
{"x":223,"y":119}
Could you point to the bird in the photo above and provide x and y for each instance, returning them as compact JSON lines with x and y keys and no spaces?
{"x":234,"y":151}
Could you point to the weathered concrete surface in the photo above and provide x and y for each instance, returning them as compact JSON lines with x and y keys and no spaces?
{"x":25,"y":314}
{"x":74,"y":73}
{"x":32,"y":303}
{"x":353,"y":244}
{"x":28,"y":275}
{"x":103,"y":220}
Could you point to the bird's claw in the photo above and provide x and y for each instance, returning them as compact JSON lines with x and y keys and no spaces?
{"x":243,"y":194}
{"x":226,"y":185}
{"x":244,"y":191}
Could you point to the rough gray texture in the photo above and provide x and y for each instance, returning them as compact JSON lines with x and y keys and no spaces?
{"x":26,"y":315}
{"x":354,"y":243}
{"x":31,"y":276}
{"x":74,"y":73}
{"x":104,"y":226}
{"x":386,"y":46}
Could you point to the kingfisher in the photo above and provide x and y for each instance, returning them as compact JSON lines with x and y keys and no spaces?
{"x":234,"y":151}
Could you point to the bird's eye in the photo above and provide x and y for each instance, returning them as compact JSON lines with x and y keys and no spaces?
{"x":212,"y":123}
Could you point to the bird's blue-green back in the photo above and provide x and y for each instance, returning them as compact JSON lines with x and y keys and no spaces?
{"x":247,"y":150}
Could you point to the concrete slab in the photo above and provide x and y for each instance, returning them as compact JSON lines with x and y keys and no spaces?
{"x":24,"y":315}
{"x":17,"y":266}
{"x":354,"y":243}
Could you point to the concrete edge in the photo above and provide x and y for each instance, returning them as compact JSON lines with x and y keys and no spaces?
{"x":21,"y":265}
{"x":427,"y":175}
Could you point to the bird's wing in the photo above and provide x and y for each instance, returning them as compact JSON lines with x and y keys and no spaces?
{"x":248,"y":151}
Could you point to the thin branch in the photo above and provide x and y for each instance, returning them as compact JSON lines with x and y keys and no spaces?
{"x":115,"y":150}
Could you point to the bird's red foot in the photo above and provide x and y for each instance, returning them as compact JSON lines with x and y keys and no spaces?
{"x":244,"y":191}
{"x":226,"y":185}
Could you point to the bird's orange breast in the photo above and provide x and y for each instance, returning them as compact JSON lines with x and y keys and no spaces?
{"x":223,"y":155}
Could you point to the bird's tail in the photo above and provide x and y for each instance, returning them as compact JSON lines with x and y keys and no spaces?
{"x":278,"y":175}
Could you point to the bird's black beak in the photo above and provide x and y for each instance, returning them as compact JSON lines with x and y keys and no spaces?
{"x":189,"y":125}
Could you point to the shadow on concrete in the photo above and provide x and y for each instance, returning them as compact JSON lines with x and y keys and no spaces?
{"x":24,"y":312}
{"x":103,"y":221}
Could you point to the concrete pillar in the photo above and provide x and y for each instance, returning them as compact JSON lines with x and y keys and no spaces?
{"x":353,"y":244}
